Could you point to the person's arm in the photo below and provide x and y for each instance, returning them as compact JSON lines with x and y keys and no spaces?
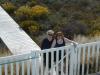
{"x":53,"y":44}
{"x":70,"y":41}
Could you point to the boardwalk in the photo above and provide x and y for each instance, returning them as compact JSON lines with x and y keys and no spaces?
{"x":93,"y":74}
{"x":83,"y":59}
{"x":14,"y":37}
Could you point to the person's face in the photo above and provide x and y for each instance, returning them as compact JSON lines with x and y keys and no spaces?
{"x":50,"y":35}
{"x":59,"y":36}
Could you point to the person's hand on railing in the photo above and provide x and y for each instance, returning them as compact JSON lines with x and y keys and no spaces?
{"x":75,"y":44}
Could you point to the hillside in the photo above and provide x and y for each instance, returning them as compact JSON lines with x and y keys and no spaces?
{"x":73,"y":17}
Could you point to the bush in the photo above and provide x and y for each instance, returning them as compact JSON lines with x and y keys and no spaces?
{"x":75,"y":27}
{"x":32,"y":3}
{"x":19,"y":1}
{"x":39,"y":10}
{"x":30,"y":26}
{"x":24,"y":12}
{"x":95,"y":33}
{"x":2,"y":1}
{"x":9,"y":7}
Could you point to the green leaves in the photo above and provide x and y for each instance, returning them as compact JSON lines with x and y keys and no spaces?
{"x":9,"y":7}
{"x":30,"y":26}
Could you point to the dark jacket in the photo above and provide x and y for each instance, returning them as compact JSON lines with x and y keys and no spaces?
{"x":46,"y":44}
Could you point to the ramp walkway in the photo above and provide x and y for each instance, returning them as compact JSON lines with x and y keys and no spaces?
{"x":13,"y":36}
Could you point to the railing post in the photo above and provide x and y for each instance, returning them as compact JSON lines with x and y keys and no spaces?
{"x":38,"y":63}
{"x":73,"y":60}
{"x":35,"y":63}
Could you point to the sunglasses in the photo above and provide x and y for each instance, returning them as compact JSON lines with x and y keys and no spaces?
{"x":50,"y":34}
{"x":59,"y":35}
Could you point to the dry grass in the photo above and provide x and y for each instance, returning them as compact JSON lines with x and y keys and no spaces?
{"x":83,"y":39}
{"x":4,"y":52}
{"x":93,"y":57}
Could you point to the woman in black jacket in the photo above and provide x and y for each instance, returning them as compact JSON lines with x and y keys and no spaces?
{"x":46,"y":44}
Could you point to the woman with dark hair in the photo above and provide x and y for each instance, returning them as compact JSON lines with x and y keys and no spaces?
{"x":60,"y":41}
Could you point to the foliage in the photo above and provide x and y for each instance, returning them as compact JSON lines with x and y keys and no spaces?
{"x":74,"y":28}
{"x":39,"y":10}
{"x":73,"y":17}
{"x":9,"y":7}
{"x":23,"y":12}
{"x":30,"y":26}
{"x":32,"y":3}
{"x":19,"y":1}
{"x":95,"y":28}
{"x":2,"y":1}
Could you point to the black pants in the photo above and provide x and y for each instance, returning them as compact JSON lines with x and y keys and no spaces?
{"x":49,"y":59}
{"x":55,"y":55}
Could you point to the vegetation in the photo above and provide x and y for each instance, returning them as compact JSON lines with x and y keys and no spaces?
{"x":39,"y":10}
{"x":9,"y":7}
{"x":73,"y":17}
{"x":23,"y":13}
{"x":76,"y":18}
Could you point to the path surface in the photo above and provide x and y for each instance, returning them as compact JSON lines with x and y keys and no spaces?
{"x":14,"y":37}
{"x":95,"y":73}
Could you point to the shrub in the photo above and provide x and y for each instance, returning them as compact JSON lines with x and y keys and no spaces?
{"x":24,"y":12}
{"x":95,"y":33}
{"x":39,"y":10}
{"x":19,"y":1}
{"x":33,"y":28}
{"x":30,"y":26}
{"x":9,"y":7}
{"x":32,"y":3}
{"x":75,"y":27}
{"x":2,"y":1}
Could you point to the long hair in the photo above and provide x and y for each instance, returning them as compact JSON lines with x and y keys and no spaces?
{"x":59,"y":34}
